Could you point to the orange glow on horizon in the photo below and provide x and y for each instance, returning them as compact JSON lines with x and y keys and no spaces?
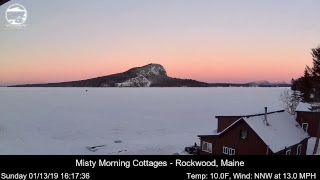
{"x":207,"y":41}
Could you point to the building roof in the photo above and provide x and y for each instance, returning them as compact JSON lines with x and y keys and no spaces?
{"x":250,"y":115}
{"x":283,"y":131}
{"x":244,"y":110}
{"x":307,"y":107}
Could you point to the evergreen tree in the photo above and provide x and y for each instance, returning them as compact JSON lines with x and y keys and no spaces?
{"x":293,"y":85}
{"x":309,"y":83}
{"x":306,"y":85}
{"x":316,"y":82}
{"x":316,"y":73}
{"x":316,"y":61}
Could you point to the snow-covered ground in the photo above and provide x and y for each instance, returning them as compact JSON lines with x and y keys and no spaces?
{"x":146,"y":120}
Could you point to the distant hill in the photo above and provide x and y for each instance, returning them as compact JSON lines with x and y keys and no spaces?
{"x":265,"y":83}
{"x":151,"y":75}
{"x":262,"y":82}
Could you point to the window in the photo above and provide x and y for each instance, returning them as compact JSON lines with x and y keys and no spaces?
{"x":225,"y":150}
{"x":232,"y":151}
{"x":305,"y":127}
{"x":288,"y":152}
{"x":228,"y":151}
{"x":299,"y":149}
{"x":210,"y":147}
{"x":206,"y":147}
{"x":243,"y":134}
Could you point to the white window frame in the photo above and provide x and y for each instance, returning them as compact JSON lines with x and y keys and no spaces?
{"x":232,"y":151}
{"x":306,"y":127}
{"x":203,"y":144}
{"x":299,"y":149}
{"x":228,"y":151}
{"x":225,"y":150}
{"x":288,"y":152}
{"x":246,"y":133}
{"x":209,"y":147}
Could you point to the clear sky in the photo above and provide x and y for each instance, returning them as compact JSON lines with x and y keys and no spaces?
{"x":206,"y":40}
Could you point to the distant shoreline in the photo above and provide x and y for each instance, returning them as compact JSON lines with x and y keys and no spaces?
{"x":150,"y":75}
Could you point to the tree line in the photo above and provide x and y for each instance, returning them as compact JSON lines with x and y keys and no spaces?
{"x":308,"y":85}
{"x":308,"y":88}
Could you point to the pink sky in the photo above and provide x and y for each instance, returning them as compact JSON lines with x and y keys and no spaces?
{"x":205,"y":41}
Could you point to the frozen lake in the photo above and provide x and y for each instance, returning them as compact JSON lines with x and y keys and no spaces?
{"x":146,"y":120}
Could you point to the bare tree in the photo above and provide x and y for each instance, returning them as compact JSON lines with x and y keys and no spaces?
{"x":290,"y":100}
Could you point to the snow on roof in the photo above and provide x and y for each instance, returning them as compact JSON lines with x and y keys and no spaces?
{"x":283,"y":131}
{"x":303,"y":107}
{"x":215,"y":132}
{"x":307,"y":107}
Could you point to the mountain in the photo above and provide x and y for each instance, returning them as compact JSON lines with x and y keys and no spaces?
{"x":151,"y":75}
{"x":280,"y":82}
{"x":262,"y":82}
{"x":265,"y":83}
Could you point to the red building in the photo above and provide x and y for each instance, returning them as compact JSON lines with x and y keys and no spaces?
{"x":270,"y":133}
{"x":308,"y":116}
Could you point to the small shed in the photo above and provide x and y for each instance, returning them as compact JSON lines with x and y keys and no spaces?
{"x":308,"y":116}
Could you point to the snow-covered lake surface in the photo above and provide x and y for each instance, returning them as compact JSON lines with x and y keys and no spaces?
{"x":146,"y":120}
